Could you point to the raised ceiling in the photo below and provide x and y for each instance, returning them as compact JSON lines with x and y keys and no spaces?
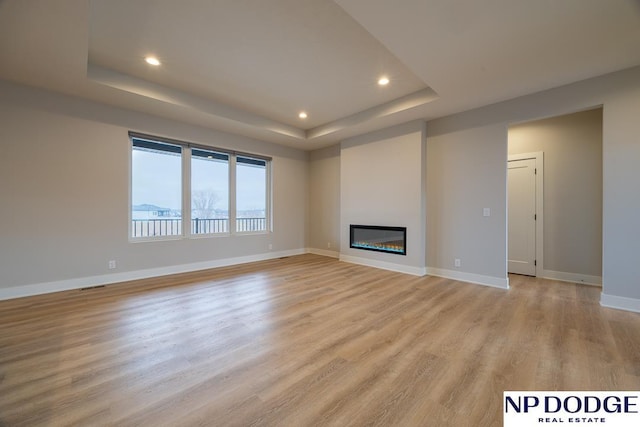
{"x":249,"y":66}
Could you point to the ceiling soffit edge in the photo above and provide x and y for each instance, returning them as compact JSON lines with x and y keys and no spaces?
{"x":161,"y":93}
{"x":406,"y":102}
{"x":135,"y":85}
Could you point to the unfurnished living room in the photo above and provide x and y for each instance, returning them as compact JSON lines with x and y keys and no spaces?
{"x":319,"y":212}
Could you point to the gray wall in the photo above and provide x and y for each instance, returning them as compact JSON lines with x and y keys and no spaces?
{"x":572,"y":146}
{"x":621,"y":175}
{"x":487,"y":127}
{"x":466,"y":172}
{"x":64,"y":186}
{"x":324,"y":204}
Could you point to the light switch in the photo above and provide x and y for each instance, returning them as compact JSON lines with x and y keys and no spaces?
{"x":486,"y":212}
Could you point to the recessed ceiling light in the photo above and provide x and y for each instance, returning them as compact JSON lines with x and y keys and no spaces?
{"x":302,"y":115}
{"x":152,"y":60}
{"x":383,"y":81}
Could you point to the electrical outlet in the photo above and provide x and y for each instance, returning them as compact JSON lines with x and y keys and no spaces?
{"x":328,"y":245}
{"x":486,"y":212}
{"x":270,"y":246}
{"x":112,"y":264}
{"x":456,"y":262}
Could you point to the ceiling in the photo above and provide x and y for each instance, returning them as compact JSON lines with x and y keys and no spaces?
{"x":250,"y":66}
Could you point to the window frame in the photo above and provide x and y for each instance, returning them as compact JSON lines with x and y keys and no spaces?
{"x":190,"y":201}
{"x":267,"y":206}
{"x":186,"y":203}
{"x":178,"y":236}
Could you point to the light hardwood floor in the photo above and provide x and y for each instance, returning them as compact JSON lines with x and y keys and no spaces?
{"x":304,"y":341}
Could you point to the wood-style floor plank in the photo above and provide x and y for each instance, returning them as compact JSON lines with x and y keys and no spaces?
{"x":304,"y":341}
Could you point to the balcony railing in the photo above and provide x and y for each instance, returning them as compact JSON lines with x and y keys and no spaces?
{"x":173,"y":226}
{"x":251,"y":224}
{"x":208,"y":226}
{"x":156,"y":227}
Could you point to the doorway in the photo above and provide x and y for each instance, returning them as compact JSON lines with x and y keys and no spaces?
{"x":525,"y":177}
{"x":571,"y":177}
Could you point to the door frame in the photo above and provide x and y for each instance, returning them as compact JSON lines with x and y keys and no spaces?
{"x":538,"y":156}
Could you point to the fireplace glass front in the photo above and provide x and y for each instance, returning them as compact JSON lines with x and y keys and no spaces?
{"x":391,"y":240}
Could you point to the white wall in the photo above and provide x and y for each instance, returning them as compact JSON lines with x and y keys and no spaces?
{"x":572,"y":146}
{"x":324,"y":203}
{"x":64,"y":173}
{"x":381,"y":183}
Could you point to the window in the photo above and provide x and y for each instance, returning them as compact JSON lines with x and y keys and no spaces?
{"x":251,"y":194}
{"x":156,"y":189}
{"x":209,"y":192}
{"x":174,"y":182}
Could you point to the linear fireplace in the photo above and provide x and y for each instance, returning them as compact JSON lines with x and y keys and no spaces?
{"x":391,"y":240}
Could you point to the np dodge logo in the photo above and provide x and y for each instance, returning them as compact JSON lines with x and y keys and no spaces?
{"x":541,"y":408}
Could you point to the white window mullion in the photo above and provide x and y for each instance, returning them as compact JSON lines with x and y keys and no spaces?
{"x":232,"y":194}
{"x":186,"y":192}
{"x":268,"y":201}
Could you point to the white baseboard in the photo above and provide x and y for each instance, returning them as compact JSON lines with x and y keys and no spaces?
{"x":620,"y":303}
{"x":572,"y":277}
{"x":400,"y":268}
{"x":323,"y":252}
{"x":478,"y":279}
{"x":85,"y":282}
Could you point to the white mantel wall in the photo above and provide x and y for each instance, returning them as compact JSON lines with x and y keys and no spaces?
{"x":382,"y":183}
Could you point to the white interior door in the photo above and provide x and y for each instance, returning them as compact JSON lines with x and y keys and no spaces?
{"x":522,"y":217}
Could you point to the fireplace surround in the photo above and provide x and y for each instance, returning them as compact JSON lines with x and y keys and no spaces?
{"x":392,"y":240}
